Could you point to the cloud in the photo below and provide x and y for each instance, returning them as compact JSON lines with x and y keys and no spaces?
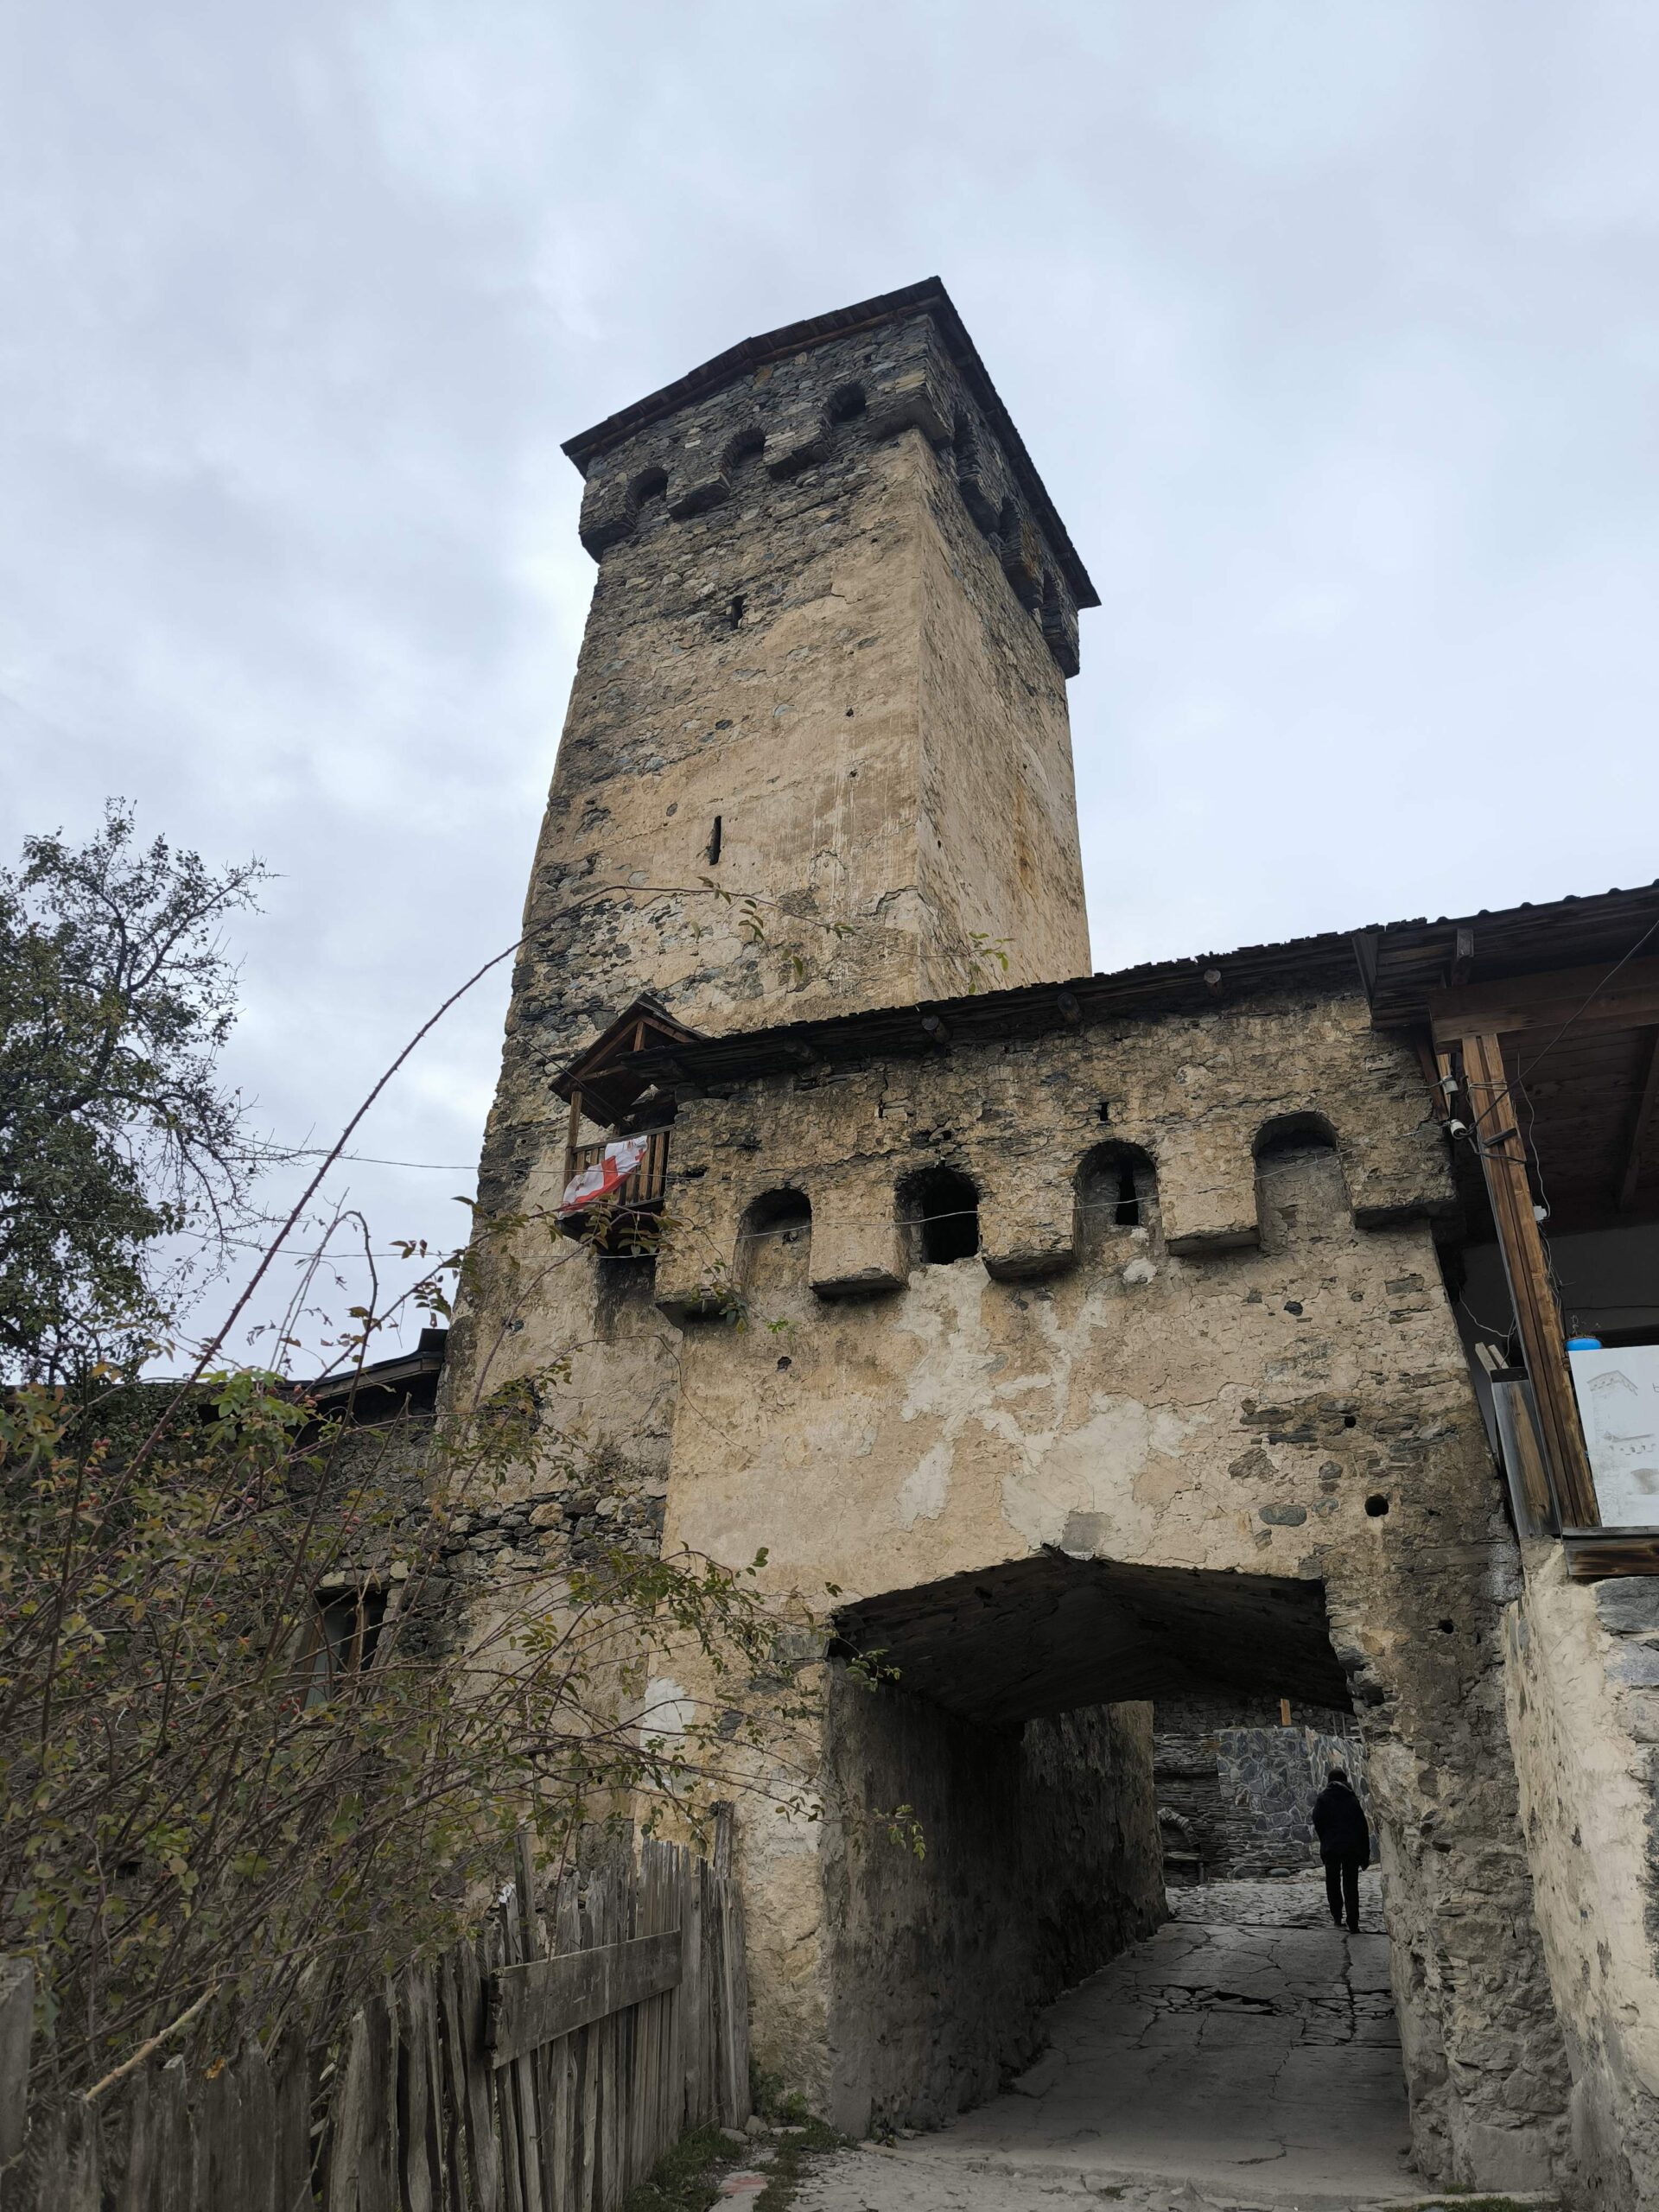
{"x":1332,"y":330}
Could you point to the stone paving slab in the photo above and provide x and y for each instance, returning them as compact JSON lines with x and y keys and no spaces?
{"x":1245,"y":2055}
{"x":899,"y":2179}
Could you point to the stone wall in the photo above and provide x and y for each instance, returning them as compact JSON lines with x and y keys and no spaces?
{"x":1040,"y":1864}
{"x":1270,"y":1778}
{"x":1236,"y":1787}
{"x":842,"y":631}
{"x":833,"y":611}
{"x":1244,"y":1381}
{"x":1582,"y":1668}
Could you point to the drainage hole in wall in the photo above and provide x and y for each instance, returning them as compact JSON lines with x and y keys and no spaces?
{"x":1445,"y":1627}
{"x":784,"y":1362}
{"x":1349,"y":1420}
{"x":1376,"y":1505}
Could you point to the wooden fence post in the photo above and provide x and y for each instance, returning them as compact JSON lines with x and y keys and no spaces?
{"x":17,"y":2020}
{"x":522,"y":2073}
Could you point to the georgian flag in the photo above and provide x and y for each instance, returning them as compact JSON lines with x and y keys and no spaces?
{"x":614,"y":1165}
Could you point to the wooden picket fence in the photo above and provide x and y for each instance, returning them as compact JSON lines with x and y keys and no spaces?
{"x":544,"y":2067}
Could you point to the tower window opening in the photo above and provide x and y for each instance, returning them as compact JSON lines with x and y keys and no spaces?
{"x":847,"y":403}
{"x":717,"y":839}
{"x":942,"y":1210}
{"x":734,"y":614}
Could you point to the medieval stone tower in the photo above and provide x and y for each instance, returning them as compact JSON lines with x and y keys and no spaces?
{"x":1120,"y":1369}
{"x":816,"y":756}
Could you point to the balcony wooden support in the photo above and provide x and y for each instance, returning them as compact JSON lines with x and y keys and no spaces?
{"x":1502,"y":1158}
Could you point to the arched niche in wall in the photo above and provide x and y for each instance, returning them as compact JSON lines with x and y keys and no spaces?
{"x":648,"y":497}
{"x":938,"y":1209}
{"x":1117,"y":1194}
{"x":774,"y":1244}
{"x":1302,"y":1193}
{"x":742,"y":454}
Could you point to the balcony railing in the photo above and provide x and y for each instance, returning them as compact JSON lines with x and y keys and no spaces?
{"x":610,"y":1187}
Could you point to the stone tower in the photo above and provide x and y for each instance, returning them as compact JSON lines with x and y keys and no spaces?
{"x":816,"y":757}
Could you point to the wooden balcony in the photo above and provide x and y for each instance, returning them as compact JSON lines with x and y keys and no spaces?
{"x":617,"y":1211}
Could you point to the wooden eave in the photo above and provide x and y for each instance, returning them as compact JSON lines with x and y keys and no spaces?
{"x":1407,"y":963}
{"x":610,"y":1075}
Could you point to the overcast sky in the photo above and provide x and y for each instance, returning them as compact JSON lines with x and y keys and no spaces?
{"x":1333,"y":329}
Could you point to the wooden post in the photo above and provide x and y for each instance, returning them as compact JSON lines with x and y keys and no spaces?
{"x":16,"y":2024}
{"x":573,"y":1130}
{"x":1537,"y":1315}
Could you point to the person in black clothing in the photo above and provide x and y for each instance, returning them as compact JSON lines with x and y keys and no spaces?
{"x":1344,"y":1837}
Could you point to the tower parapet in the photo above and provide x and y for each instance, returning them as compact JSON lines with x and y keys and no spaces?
{"x":900,"y":362}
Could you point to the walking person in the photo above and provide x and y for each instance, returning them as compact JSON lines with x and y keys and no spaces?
{"x":1344,"y":1836}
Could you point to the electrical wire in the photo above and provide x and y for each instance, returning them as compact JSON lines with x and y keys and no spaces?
{"x":745,"y":1236}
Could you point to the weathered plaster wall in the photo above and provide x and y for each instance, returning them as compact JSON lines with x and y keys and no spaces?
{"x":1040,"y":1863}
{"x":1284,"y":1394}
{"x":1582,"y":1666}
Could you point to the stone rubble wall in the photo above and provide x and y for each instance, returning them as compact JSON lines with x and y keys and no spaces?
{"x":1581,"y":1663}
{"x":1236,"y":1794}
{"x":1041,"y":1863}
{"x":1270,"y":1778}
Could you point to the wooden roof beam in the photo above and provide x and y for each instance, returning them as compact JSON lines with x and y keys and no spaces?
{"x":1640,"y":1126}
{"x":1549,"y":1000}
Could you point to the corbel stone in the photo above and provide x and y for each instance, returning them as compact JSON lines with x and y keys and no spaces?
{"x":914,"y":395}
{"x":981,"y":507}
{"x":1021,"y":554}
{"x":797,"y":442}
{"x":699,"y":1238}
{"x":606,"y":512}
{"x":1206,"y":1190}
{"x":696,"y":483}
{"x":858,"y":1251}
{"x":1406,"y":1180}
{"x":1027,"y":1223}
{"x":1060,"y":635}
{"x":687,"y":1288}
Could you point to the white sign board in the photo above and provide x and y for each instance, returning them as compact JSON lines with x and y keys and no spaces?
{"x":1618,"y":1405}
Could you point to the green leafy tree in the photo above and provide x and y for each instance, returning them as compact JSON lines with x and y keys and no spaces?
{"x":259,"y":1740}
{"x":116,"y":997}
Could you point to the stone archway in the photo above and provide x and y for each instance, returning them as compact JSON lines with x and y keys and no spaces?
{"x":1018,"y":1727}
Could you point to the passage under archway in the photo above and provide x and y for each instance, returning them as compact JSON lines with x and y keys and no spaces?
{"x":1016,"y":1721}
{"x":1035,"y":1637}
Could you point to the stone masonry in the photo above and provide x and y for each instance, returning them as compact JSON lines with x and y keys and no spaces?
{"x":1162,"y":1399}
